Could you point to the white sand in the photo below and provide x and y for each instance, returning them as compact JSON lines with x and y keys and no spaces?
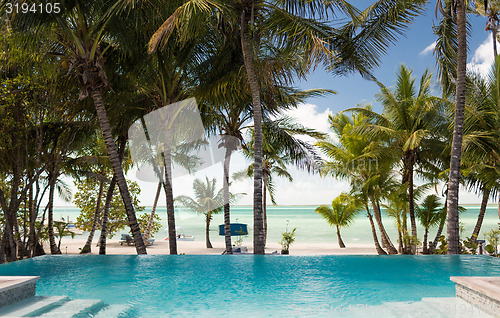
{"x":72,"y":246}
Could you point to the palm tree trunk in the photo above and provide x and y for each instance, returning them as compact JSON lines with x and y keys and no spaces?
{"x":147,"y":232}
{"x":425,"y":249}
{"x":494,"y":35}
{"x":411,"y":202}
{"x":379,"y":249}
{"x":169,"y":194}
{"x":50,"y":225}
{"x":227,"y":213}
{"x":207,"y":230}
{"x":480,"y":217}
{"x":117,"y":170}
{"x":439,"y":232}
{"x":453,"y":234}
{"x":386,"y":241}
{"x":264,"y":207}
{"x":258,"y":216}
{"x":87,"y":247}
{"x":400,"y":238}
{"x":105,"y":210}
{"x":109,"y":197}
{"x":339,"y":238}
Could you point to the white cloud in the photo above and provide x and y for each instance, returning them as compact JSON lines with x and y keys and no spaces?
{"x":483,"y":58}
{"x":429,"y":49}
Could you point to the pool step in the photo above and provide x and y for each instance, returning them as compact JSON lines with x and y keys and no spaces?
{"x":73,"y":308}
{"x":30,"y":307}
{"x":442,"y":307}
{"x":455,"y":307}
{"x":113,"y":311}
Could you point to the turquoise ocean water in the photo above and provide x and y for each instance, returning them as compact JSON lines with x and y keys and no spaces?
{"x":310,"y":226}
{"x":250,"y":285}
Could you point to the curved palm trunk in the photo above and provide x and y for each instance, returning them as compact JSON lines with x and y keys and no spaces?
{"x":433,"y":245}
{"x":453,"y":234}
{"x":117,"y":170}
{"x":53,"y":246}
{"x":87,"y":247}
{"x":105,"y":210}
{"x":379,"y":249}
{"x":386,"y":241}
{"x":258,"y":217}
{"x":339,"y":238}
{"x":169,"y":194}
{"x":207,"y":230}
{"x":227,"y":214}
{"x":480,"y":217}
{"x":147,"y":232}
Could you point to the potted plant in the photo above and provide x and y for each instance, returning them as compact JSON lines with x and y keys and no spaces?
{"x":287,"y":240}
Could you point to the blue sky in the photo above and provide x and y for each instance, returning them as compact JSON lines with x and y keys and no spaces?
{"x":351,"y":90}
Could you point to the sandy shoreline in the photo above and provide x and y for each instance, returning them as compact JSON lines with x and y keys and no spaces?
{"x":73,"y":246}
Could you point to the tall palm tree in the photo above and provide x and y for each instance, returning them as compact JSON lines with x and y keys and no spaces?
{"x":429,"y":213}
{"x":282,"y":147}
{"x":457,"y":12}
{"x":302,"y":25}
{"x":481,"y":145}
{"x":342,"y":213}
{"x":411,"y":118}
{"x":362,"y":161}
{"x":491,"y":10}
{"x":83,"y":30}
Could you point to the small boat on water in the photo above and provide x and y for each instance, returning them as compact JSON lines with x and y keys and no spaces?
{"x":182,"y":237}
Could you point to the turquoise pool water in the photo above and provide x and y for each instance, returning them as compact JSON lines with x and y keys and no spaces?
{"x":248,"y":285}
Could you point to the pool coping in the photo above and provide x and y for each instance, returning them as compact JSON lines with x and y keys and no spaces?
{"x":16,"y":288}
{"x":482,"y":292}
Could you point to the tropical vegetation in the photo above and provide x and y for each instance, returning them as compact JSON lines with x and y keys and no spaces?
{"x":72,"y":83}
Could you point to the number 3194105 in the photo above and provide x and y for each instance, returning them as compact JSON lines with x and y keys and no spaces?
{"x":32,"y":7}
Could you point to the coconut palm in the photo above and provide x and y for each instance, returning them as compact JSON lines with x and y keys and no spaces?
{"x":481,"y":148}
{"x":208,"y":201}
{"x":83,"y":32}
{"x":282,"y":147}
{"x":363,"y":162}
{"x":456,"y":11}
{"x":412,"y":119}
{"x":428,"y":212}
{"x":342,"y":213}
{"x":491,"y":10}
{"x":296,"y":25}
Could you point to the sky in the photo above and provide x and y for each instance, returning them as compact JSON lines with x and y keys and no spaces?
{"x":414,"y":50}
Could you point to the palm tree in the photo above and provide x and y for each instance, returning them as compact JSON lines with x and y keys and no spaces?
{"x":481,"y":147}
{"x":342,"y":213}
{"x":411,"y":119}
{"x":207,"y":201}
{"x":281,"y":148}
{"x":83,"y":29}
{"x":429,"y":213}
{"x":362,"y":161}
{"x":491,"y":10}
{"x":457,"y":12}
{"x":293,"y":25}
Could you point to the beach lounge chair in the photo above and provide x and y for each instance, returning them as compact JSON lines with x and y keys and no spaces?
{"x":126,"y":239}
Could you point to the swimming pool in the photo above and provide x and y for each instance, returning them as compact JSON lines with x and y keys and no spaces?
{"x":185,"y":285}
